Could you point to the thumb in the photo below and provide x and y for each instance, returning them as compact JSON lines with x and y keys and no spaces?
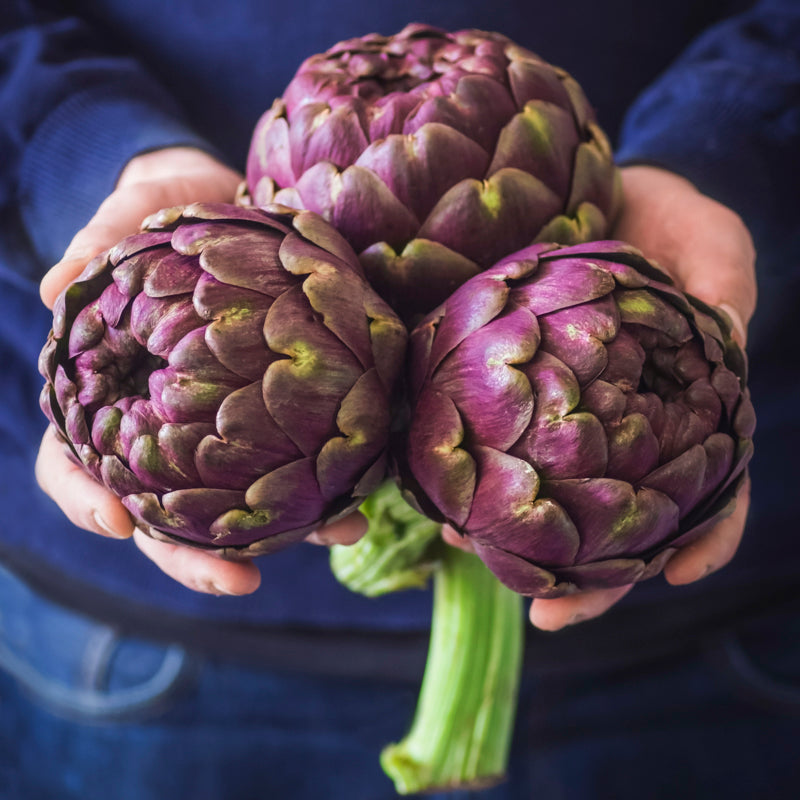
{"x":120,"y":215}
{"x":164,"y":178}
{"x":738,"y":328}
{"x":719,"y":269}
{"x":701,"y":243}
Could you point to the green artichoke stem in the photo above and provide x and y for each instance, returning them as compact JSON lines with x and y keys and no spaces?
{"x":461,"y":732}
{"x":399,"y":551}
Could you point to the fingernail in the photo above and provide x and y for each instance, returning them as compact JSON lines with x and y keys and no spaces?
{"x":577,"y":617}
{"x":105,"y":527}
{"x":219,"y":589}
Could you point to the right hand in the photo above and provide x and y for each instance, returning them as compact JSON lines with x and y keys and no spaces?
{"x":160,"y":179}
{"x":709,"y":252}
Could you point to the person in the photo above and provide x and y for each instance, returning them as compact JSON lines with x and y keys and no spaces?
{"x":124,"y":674}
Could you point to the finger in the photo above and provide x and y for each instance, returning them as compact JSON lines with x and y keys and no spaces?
{"x":199,"y":570}
{"x":712,"y":550}
{"x":455,"y":539}
{"x":344,"y":531}
{"x":154,"y":181}
{"x":85,"y":502}
{"x":552,"y":615}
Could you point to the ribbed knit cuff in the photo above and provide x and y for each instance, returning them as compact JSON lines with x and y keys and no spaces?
{"x":74,"y":160}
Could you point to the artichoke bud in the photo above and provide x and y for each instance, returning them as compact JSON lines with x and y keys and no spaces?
{"x":464,"y":140}
{"x":576,"y":416}
{"x":206,"y":368}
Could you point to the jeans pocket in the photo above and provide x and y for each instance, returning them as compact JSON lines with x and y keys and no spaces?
{"x":82,"y":669}
{"x":760,"y":659}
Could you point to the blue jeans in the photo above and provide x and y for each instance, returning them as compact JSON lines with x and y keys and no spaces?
{"x":86,"y":713}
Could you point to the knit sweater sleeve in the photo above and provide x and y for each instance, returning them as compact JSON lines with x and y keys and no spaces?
{"x":726,"y":115}
{"x":73,"y":112}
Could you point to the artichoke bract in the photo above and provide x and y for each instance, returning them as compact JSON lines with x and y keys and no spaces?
{"x":228,"y":373}
{"x":435,"y":154}
{"x":577,"y":417}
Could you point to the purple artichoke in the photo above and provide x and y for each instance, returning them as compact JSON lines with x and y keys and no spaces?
{"x":577,"y":417}
{"x":435,"y":154}
{"x":228,"y":373}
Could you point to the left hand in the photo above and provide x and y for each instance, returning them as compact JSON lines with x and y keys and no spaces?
{"x":708,"y":251}
{"x":159,"y":179}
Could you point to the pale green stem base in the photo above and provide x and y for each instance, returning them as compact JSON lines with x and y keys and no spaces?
{"x":464,"y":720}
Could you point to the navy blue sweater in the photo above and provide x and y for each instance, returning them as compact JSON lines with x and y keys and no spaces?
{"x":687,"y":86}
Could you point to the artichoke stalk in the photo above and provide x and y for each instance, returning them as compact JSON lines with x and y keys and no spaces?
{"x":462,"y":728}
{"x":461,"y":734}
{"x":229,"y":374}
{"x":435,"y":154}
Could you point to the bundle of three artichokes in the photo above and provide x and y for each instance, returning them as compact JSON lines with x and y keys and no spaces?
{"x":240,"y":375}
{"x":230,"y":373}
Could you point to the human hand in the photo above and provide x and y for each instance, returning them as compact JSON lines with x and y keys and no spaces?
{"x":150,"y":182}
{"x":707,"y":250}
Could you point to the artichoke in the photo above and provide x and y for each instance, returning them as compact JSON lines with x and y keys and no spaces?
{"x":435,"y":154}
{"x":228,"y":373}
{"x":577,"y":417}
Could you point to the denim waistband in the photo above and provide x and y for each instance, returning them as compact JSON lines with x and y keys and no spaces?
{"x":624,"y":636}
